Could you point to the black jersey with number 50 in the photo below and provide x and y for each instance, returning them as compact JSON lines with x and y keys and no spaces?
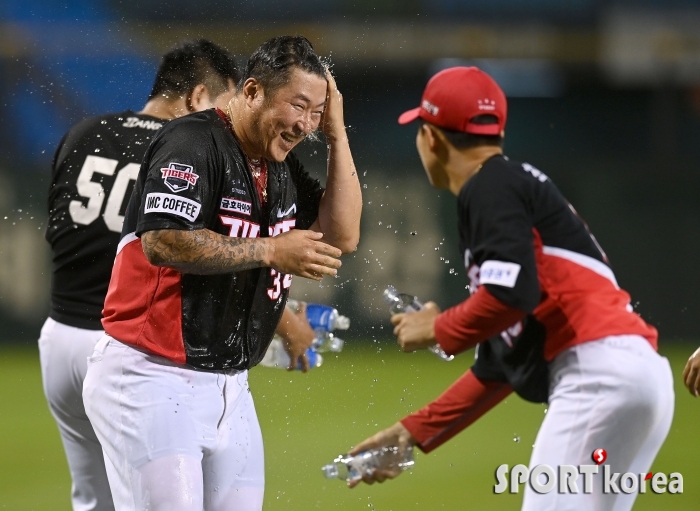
{"x":93,"y":174}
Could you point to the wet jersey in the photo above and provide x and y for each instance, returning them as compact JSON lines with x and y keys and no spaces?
{"x":195,"y":176}
{"x":524,"y":242}
{"x":93,"y":174}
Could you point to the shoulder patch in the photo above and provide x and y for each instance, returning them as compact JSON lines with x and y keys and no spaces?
{"x":178,"y":177}
{"x":173,"y":204}
{"x":499,"y":273}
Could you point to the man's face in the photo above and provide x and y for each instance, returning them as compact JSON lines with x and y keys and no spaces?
{"x":290,"y":114}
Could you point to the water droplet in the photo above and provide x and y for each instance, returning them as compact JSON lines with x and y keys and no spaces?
{"x":516,"y":439}
{"x":452,"y":270}
{"x":97,"y":150}
{"x":364,"y":185}
{"x":413,"y":233}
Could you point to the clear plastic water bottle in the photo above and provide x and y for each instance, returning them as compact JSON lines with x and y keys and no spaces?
{"x":352,"y":468}
{"x":323,"y":320}
{"x":276,"y":356}
{"x":405,"y":303}
{"x":326,"y":341}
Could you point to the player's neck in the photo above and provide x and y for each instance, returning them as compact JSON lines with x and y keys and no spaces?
{"x":164,"y":108}
{"x":464,"y":164}
{"x":242,"y":119}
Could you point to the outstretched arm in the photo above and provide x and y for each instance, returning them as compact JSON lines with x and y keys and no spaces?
{"x":205,"y":252}
{"x":341,"y":204}
{"x":458,"y":407}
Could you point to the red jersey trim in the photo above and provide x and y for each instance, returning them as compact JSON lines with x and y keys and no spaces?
{"x":582,"y":301}
{"x":476,"y":319}
{"x":145,"y":302}
{"x":458,"y":407}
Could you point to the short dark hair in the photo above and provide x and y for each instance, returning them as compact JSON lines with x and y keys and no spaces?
{"x":193,"y":62}
{"x":274,"y":60}
{"x":462,"y":140}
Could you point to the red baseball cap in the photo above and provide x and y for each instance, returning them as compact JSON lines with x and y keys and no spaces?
{"x":456,"y":95}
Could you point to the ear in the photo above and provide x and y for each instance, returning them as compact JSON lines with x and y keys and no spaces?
{"x":252,"y":91}
{"x":434,"y":139}
{"x":199,"y":99}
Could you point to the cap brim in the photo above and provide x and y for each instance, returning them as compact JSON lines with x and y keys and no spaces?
{"x":409,"y":116}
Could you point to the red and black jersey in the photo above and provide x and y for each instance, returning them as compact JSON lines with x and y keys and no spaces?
{"x":93,"y":173}
{"x":526,"y":245}
{"x":538,"y":277}
{"x":195,"y":175}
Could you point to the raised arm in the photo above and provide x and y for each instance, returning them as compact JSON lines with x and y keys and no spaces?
{"x":341,"y":205}
{"x":205,"y":252}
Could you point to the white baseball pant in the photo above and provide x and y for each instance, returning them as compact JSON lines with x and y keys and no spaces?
{"x":63,"y":351}
{"x":615,"y":393}
{"x":175,"y":438}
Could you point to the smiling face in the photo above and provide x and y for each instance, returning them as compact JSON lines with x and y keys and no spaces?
{"x":292,"y":112}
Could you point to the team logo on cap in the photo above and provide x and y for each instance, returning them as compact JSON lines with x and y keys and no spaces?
{"x":179,"y":177}
{"x":486,"y":104}
{"x":429,"y":107}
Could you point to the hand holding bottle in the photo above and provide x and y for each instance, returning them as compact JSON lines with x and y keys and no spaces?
{"x":414,"y":323}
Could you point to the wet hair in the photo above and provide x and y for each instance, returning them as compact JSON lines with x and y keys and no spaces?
{"x":461,"y":140}
{"x":274,"y":60}
{"x":193,"y":62}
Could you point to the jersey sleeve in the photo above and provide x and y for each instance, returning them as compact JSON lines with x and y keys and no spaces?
{"x":497,"y":205}
{"x":182,"y":170}
{"x":309,"y":193}
{"x":460,"y":405}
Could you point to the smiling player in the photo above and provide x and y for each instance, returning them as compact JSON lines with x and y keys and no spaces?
{"x":222,"y":216}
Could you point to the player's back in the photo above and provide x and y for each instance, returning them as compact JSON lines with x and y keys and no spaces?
{"x":93,"y":174}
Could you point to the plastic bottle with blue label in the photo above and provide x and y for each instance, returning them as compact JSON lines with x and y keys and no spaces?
{"x":276,"y":356}
{"x":323,"y":319}
{"x":405,"y":303}
{"x":352,"y":468}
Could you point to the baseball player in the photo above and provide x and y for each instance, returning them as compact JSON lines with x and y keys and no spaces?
{"x":222,"y":215}
{"x":545,"y":314}
{"x":93,"y":173}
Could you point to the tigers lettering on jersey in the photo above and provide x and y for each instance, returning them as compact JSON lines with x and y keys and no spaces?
{"x":239,"y":228}
{"x":236,"y":206}
{"x":280,"y":227}
{"x":179,"y":177}
{"x":166,"y":203}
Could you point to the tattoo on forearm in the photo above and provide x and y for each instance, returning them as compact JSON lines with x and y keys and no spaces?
{"x":203,"y":252}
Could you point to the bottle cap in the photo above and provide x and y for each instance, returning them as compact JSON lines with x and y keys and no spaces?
{"x":342,"y":323}
{"x":330,"y":471}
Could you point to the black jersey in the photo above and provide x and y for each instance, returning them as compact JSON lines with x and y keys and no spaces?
{"x":522,"y":240}
{"x":194,"y":176}
{"x":93,"y":173}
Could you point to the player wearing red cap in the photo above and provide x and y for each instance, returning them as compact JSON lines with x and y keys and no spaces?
{"x":545,"y":314}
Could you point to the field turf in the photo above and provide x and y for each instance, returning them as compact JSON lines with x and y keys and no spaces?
{"x":309,"y":419}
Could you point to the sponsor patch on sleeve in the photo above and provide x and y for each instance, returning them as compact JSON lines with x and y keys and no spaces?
{"x":235,"y":205}
{"x":173,"y":204}
{"x":499,"y":273}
